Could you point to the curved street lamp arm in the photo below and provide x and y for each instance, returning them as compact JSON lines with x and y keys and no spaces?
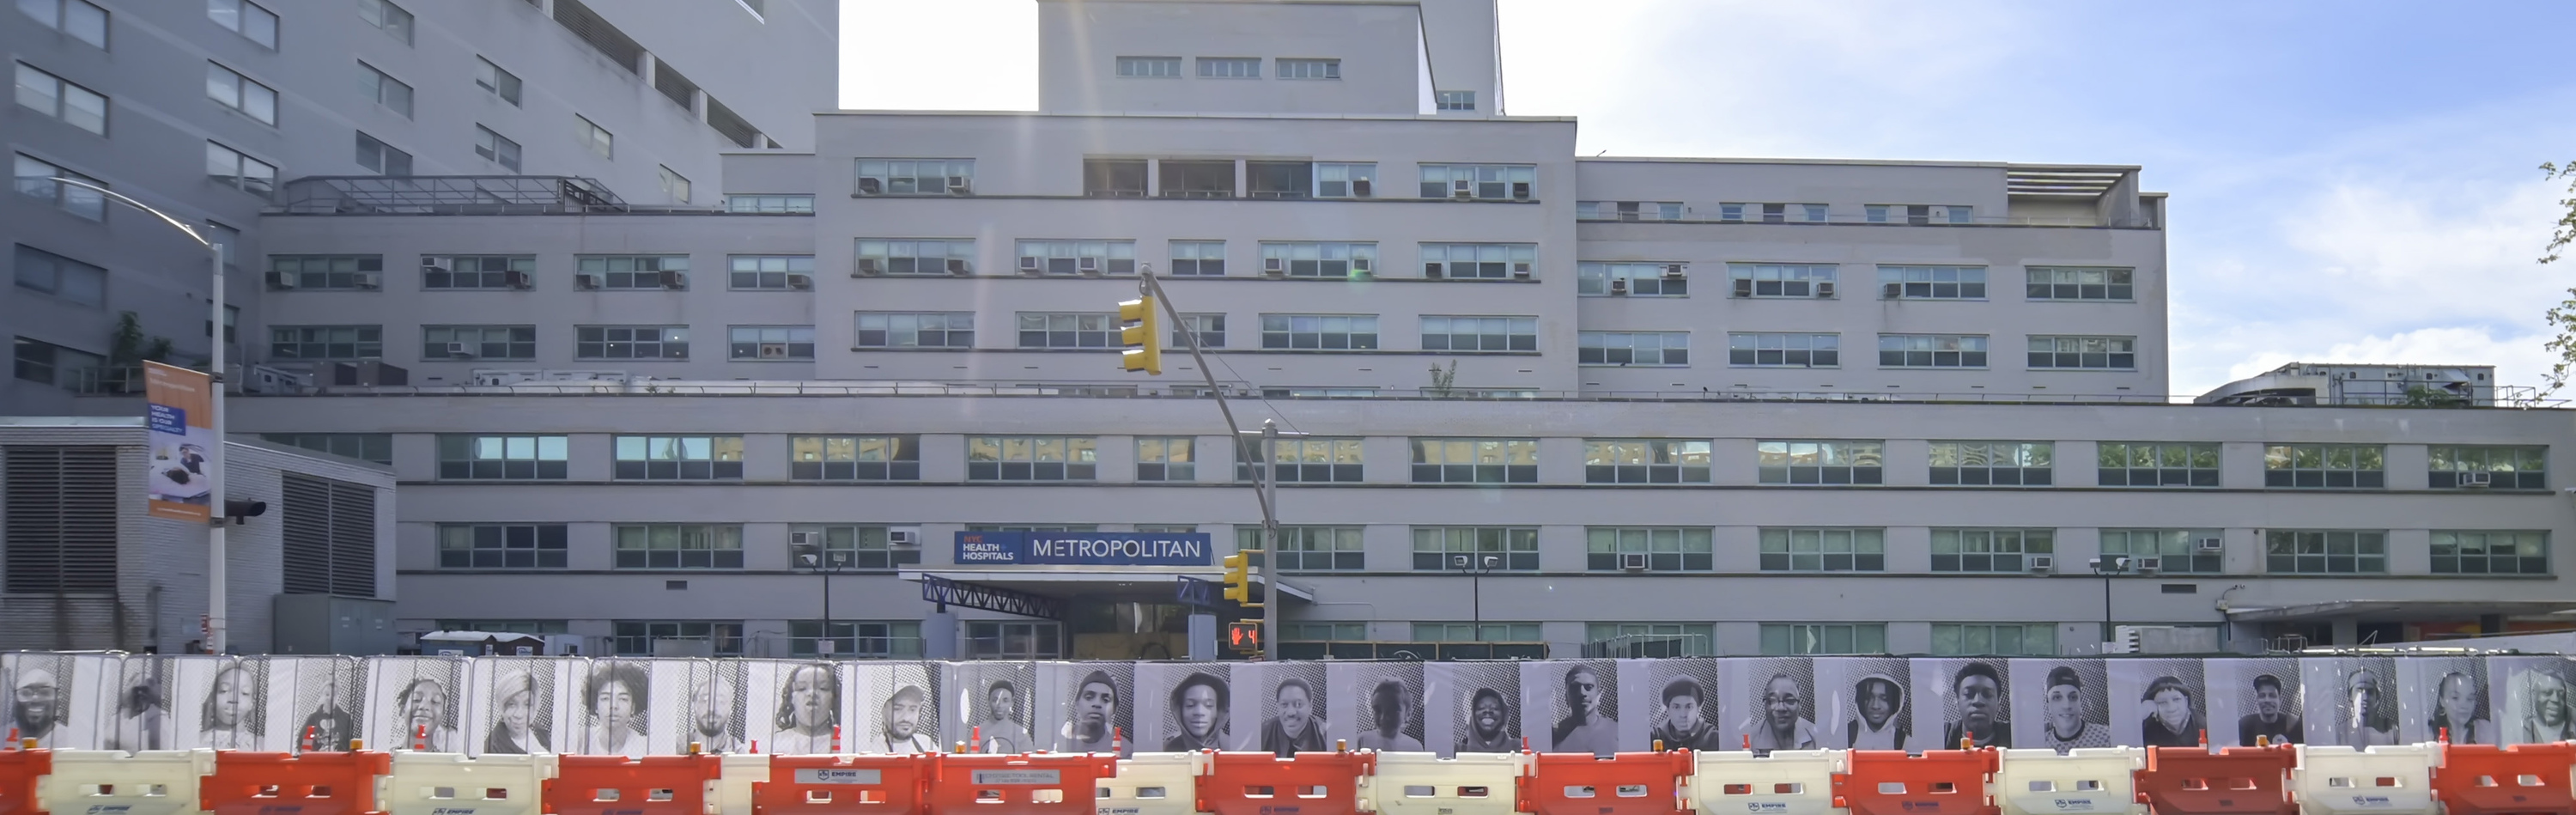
{"x":120,"y":198}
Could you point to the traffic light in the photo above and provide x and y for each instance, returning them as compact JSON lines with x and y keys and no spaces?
{"x":1244,"y":635}
{"x":1238,"y":579}
{"x":240,"y":510}
{"x":1141,"y":331}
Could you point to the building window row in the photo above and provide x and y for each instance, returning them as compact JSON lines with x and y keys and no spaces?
{"x":1212,"y":178}
{"x":1150,"y":67}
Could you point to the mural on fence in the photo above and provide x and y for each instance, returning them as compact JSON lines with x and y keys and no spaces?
{"x":659,"y":706}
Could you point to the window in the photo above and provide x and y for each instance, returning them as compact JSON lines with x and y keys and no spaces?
{"x":1645,"y":461}
{"x":1229,"y":68}
{"x":1476,"y":632}
{"x":1772,"y":213}
{"x":1345,"y":180}
{"x":2490,"y":552}
{"x":1317,"y":259}
{"x":1784,"y":350}
{"x":1454,"y":100}
{"x":679,"y":458}
{"x":1198,"y":179}
{"x":771,"y":342}
{"x":1315,"y":393}
{"x":1479,"y":261}
{"x":635,"y":638}
{"x":994,"y":640}
{"x":1661,"y":549}
{"x":1082,"y":257}
{"x":50,"y":364}
{"x":675,"y":186}
{"x":770,"y":204}
{"x":235,"y":91}
{"x":476,"y":271}
{"x":1152,"y":67}
{"x":1492,"y":182}
{"x":1994,"y":639}
{"x":380,"y":158}
{"x":1323,"y":632}
{"x":1998,"y":551}
{"x":1592,"y":279}
{"x":679,"y":546}
{"x":631,"y":342}
{"x":2062,"y":283}
{"x":1319,"y":331}
{"x":1824,"y":550}
{"x":770,"y":272}
{"x":1479,"y":333}
{"x":1464,"y":548}
{"x":503,"y":458}
{"x":1997,"y":463}
{"x":1669,"y":349}
{"x":1061,"y":330}
{"x":1209,"y":329}
{"x":935,"y":176}
{"x":1932,"y":282}
{"x":2153,"y":464}
{"x":502,"y":546}
{"x":496,"y":148}
{"x":1819,"y":462}
{"x":2296,"y":551}
{"x":327,"y":271}
{"x":2503,"y":468}
{"x":68,"y":280}
{"x":1165,"y":458}
{"x":445,"y":342}
{"x":375,"y":447}
{"x":395,"y":22}
{"x":1309,"y":68}
{"x":1801,"y":639}
{"x":932,"y":330}
{"x":232,"y":169}
{"x":1305,"y":461}
{"x":1113,"y":178}
{"x":495,"y":81}
{"x":1309,"y":548}
{"x":858,"y":547}
{"x":890,"y":639}
{"x":2325,"y":465}
{"x":634,"y":272}
{"x":75,"y":105}
{"x":1649,"y":639}
{"x":35,"y":180}
{"x":854,"y":458}
{"x":1475,"y":461}
{"x":1920,"y":215}
{"x":1768,"y":280}
{"x":933,"y":256}
{"x":1280,"y":179}
{"x":591,"y":135}
{"x":289,"y":342}
{"x":2178,"y":551}
{"x":1031,"y":458}
{"x":82,"y":20}
{"x":232,"y":325}
{"x":1631,"y":211}
{"x":2084,"y":353}
{"x":1931,"y":351}
{"x":386,"y":90}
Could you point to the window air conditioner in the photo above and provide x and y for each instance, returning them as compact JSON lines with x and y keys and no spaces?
{"x":586,"y":280}
{"x":1359,"y":188}
{"x":2210,"y":544}
{"x":1632,"y":561}
{"x":1743,"y":287}
{"x":521,"y":280}
{"x":804,"y":538}
{"x":2148,"y":565}
{"x":1362,"y":265}
{"x":458,"y":350}
{"x":961,"y":185}
{"x":773,"y":350}
{"x":675,"y":281}
{"x":1891,"y":291}
{"x":1030,"y":264}
{"x":1089,"y":266}
{"x":281,"y":280}
{"x":871,"y":266}
{"x":2041,"y":563}
{"x":800,"y":281}
{"x":1274,"y":266}
{"x":1520,"y":190}
{"x":1432,"y":270}
{"x":2477,"y":479}
{"x":1520,"y":271}
{"x":961,"y":266}
{"x":1462,"y":188}
{"x":871,"y":186}
{"x":369,"y":281}
{"x":1824,"y":290}
{"x":903,"y":538}
{"x":1619,"y":286}
{"x":1673,"y":271}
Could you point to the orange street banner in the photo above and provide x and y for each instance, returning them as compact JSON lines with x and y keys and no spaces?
{"x":180,"y":410}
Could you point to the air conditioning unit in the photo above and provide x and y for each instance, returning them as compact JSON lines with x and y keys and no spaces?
{"x":871,"y":266}
{"x":1274,"y":267}
{"x":961,"y":185}
{"x":871,"y":186}
{"x":1632,"y":561}
{"x":1362,"y":265}
{"x":1433,"y":271}
{"x":804,"y":538}
{"x":587,"y":281}
{"x":2477,"y":479}
{"x":1359,"y":188}
{"x":1520,"y":190}
{"x":800,"y":281}
{"x":283,"y":281}
{"x":1673,"y":271}
{"x":1462,"y":188}
{"x":1520,"y":271}
{"x":520,"y":280}
{"x":1743,"y":287}
{"x":458,"y":350}
{"x":2149,"y":565}
{"x":675,"y":281}
{"x":904,"y":537}
{"x":961,"y":266}
{"x":773,"y":350}
{"x":370,"y":281}
{"x":1089,"y":266}
{"x":1619,"y":286}
{"x":2041,"y":563}
{"x":2209,"y":544}
{"x":1031,"y":264}
{"x":1891,"y":291}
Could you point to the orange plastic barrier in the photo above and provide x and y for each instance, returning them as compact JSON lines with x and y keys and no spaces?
{"x":1939,"y":782}
{"x":652,"y":785}
{"x":1264,"y":784}
{"x":19,"y":770}
{"x":249,"y":783}
{"x":2195,"y":781}
{"x":1064,"y":784}
{"x":1622,"y":784}
{"x":2479,"y":779}
{"x":846,"y":785}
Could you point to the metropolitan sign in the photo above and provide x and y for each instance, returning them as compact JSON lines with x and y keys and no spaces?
{"x":179,"y":413}
{"x":1083,"y":549}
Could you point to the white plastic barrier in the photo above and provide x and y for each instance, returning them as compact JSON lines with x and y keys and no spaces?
{"x":733,"y":791}
{"x":1153,"y":784}
{"x":2086,"y":779}
{"x":1426,"y":784}
{"x":1786,"y":782}
{"x":451,"y":784}
{"x":151,"y":782}
{"x":2397,"y":779}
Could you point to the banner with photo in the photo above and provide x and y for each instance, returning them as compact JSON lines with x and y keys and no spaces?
{"x":415,"y":702}
{"x":1375,"y":706}
{"x":2062,"y":704}
{"x":1673,"y":701}
{"x":2158,"y":702}
{"x":1963,"y":700}
{"x":2348,"y":700}
{"x":2255,"y":699}
{"x":989,"y":706}
{"x":1771,"y":703}
{"x":1189,"y":707}
{"x":59,"y":699}
{"x":137,"y":704}
{"x":1284,"y":701}
{"x":792,"y":707}
{"x":898,"y":710}
{"x":179,"y":416}
{"x":1471,"y":707}
{"x":2534,"y":689}
{"x":2444,"y":698}
{"x":313,"y":701}
{"x":1571,"y":706}
{"x":522,"y":705}
{"x":1865,"y":703}
{"x":1088,"y":707}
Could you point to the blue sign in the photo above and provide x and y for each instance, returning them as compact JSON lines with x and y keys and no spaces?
{"x":166,"y":419}
{"x":1201,"y":593}
{"x":1083,"y":549}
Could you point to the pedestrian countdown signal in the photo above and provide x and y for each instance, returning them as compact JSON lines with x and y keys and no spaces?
{"x":1243,"y":635}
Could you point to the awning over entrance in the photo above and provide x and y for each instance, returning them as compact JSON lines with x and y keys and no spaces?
{"x":1132,"y":583}
{"x":2401,"y":610}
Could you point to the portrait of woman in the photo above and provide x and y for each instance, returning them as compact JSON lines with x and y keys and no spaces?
{"x":518,"y":729}
{"x":227,"y":720}
{"x":2460,"y":710}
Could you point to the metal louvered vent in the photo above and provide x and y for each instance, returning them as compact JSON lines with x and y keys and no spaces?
{"x":61,"y":516}
{"x":329,"y":529}
{"x":674,"y":86}
{"x":593,"y":29}
{"x":731,"y":124}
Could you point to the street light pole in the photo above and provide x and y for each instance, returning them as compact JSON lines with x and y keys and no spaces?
{"x":2106,"y":566}
{"x":215,"y":519}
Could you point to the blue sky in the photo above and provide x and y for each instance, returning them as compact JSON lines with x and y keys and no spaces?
{"x":2351,"y":181}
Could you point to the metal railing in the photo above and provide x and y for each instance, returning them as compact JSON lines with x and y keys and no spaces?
{"x":1411,"y":651}
{"x":1650,"y":646}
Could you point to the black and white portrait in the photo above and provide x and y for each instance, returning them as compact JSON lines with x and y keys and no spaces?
{"x":713,"y":719}
{"x":1289,"y":705}
{"x":1574,"y":704}
{"x":42,"y":694}
{"x":2158,"y":702}
{"x":2535,"y":691}
{"x":416,"y":702}
{"x":1968,"y":698}
{"x":2444,"y":697}
{"x":141,"y":718}
{"x":795,"y":707}
{"x":1375,"y":705}
{"x":2350,"y":701}
{"x":2062,"y":704}
{"x":1096,"y":713}
{"x":614,"y":699}
{"x":518,"y":707}
{"x":1866,"y":704}
{"x":1685,"y":714}
{"x":905,"y":716}
{"x":2254,"y":699}
{"x":1778,"y":703}
{"x":313,"y":701}
{"x":1192,"y":706}
{"x":222,"y":703}
{"x":1476,"y":707}
{"x":990,"y":704}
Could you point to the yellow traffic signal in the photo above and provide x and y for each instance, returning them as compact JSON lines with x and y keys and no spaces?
{"x":1238,"y":578}
{"x":1140,"y":329}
